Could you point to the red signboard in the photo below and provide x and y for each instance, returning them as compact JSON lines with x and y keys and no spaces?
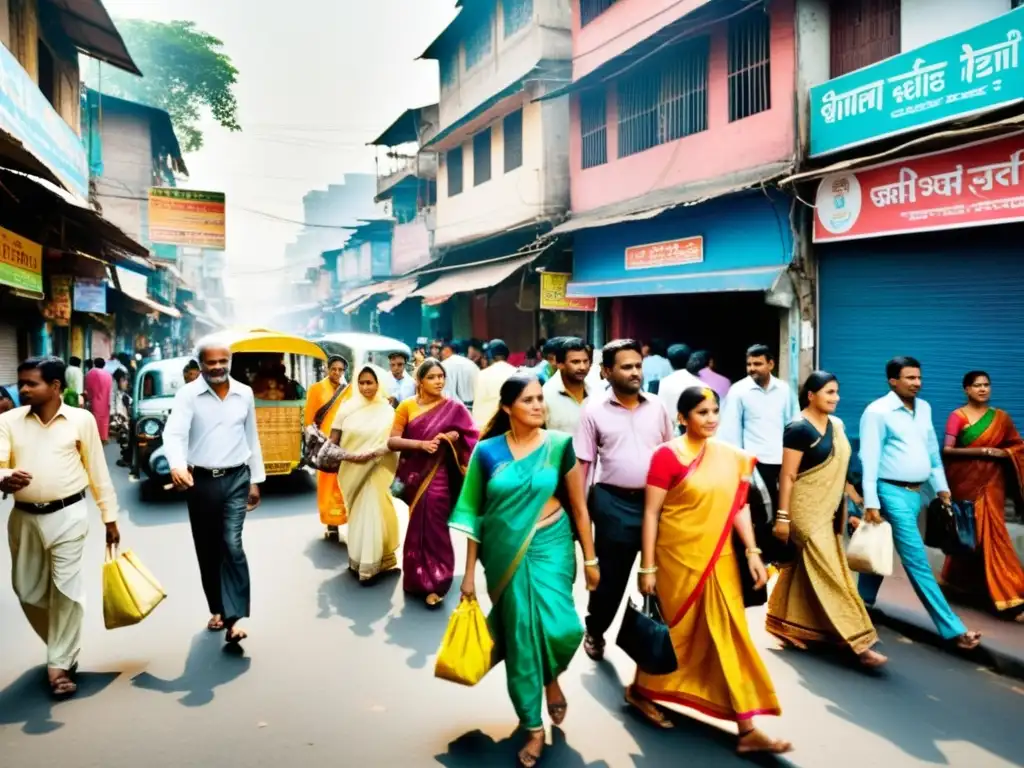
{"x":970,"y":186}
{"x":670,"y":253}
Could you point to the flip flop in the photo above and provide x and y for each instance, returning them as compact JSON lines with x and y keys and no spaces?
{"x":968,"y":641}
{"x":233,"y":637}
{"x":557,"y":712}
{"x":649,"y":710}
{"x":215,"y":624}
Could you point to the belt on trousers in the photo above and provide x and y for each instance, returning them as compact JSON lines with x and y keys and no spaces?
{"x":206,"y":472}
{"x":48,"y":507}
{"x":903,"y":484}
{"x":627,"y":494}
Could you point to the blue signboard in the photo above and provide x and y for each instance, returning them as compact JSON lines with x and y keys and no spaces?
{"x":28,"y":117}
{"x":973,"y":71}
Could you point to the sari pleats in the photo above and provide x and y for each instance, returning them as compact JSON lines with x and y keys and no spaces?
{"x":535,"y":621}
{"x":815,"y":599}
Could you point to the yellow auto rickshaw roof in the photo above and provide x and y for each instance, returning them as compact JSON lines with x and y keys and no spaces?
{"x":263,"y":340}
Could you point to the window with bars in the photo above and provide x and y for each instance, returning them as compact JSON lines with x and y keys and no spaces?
{"x":453,"y":162}
{"x":516,"y":14}
{"x":512,"y":130}
{"x":750,"y":64}
{"x":480,"y":40}
{"x":591,"y":9}
{"x":665,"y":100}
{"x":863,"y":32}
{"x":482,"y":157}
{"x":594,"y":127}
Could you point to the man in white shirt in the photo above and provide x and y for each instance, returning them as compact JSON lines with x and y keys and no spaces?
{"x":656,"y":367}
{"x":401,"y":387}
{"x":566,"y":392}
{"x":214,"y":451}
{"x":489,"y":382}
{"x":680,"y":380}
{"x":74,"y":376}
{"x":461,"y":373}
{"x":756,"y":412}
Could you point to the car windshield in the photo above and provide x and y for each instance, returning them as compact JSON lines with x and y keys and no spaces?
{"x":162,"y":381}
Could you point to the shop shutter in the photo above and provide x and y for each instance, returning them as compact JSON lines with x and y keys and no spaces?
{"x":8,"y":354}
{"x":956,"y":303}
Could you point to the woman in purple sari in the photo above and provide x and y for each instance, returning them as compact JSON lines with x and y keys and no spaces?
{"x":435,"y":436}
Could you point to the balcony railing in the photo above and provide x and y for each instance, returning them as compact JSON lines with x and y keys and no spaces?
{"x":398,"y":167}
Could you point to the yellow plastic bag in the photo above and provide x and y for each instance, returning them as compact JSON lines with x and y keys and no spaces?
{"x":465,"y":653}
{"x":130,"y":591}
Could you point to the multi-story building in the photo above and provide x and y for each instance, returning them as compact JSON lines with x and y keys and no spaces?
{"x":502,"y":175}
{"x":40,"y":135}
{"x":682,"y":113}
{"x":916,"y":172}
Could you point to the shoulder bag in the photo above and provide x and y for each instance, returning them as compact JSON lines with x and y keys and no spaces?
{"x":318,"y":451}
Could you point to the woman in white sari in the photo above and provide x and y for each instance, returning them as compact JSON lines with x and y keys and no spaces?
{"x":362,"y":428}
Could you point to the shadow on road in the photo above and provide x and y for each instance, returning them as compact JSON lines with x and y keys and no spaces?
{"x":702,"y":744}
{"x":210,"y":664}
{"x":326,"y":555}
{"x":27,"y":700}
{"x":363,"y":605}
{"x":476,"y":749}
{"x":420,"y":629}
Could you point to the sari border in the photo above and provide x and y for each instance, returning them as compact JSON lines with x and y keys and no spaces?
{"x":706,"y":707}
{"x":782,"y":629}
{"x":464,"y":529}
{"x":737,"y":505}
{"x":991,"y":415}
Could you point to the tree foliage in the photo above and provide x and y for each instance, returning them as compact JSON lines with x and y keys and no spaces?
{"x":184,"y":70}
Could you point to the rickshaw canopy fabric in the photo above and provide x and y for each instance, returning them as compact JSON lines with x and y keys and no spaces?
{"x":263,"y":340}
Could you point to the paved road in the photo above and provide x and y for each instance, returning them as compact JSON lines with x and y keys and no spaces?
{"x":336,"y":674}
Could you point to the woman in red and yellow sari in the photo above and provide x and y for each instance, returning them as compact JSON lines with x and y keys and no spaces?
{"x":981,"y":443}
{"x":696,"y":496}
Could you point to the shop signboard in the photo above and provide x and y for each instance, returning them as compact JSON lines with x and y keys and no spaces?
{"x":974,"y":185}
{"x":974,"y":71}
{"x":187,"y":217}
{"x":669,"y":253}
{"x":21,"y":262}
{"x":553,"y":288}
{"x":58,"y":307}
{"x":26,"y":115}
{"x":90,"y":295}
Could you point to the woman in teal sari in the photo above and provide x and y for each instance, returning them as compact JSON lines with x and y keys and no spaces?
{"x":520,"y":483}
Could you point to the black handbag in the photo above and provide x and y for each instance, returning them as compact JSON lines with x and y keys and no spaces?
{"x":951,"y":527}
{"x":645,"y":638}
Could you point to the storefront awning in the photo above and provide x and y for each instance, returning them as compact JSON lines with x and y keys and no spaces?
{"x":755,"y":279}
{"x":133,"y":285}
{"x":402,"y":291}
{"x":88,"y":25}
{"x":353,"y":306}
{"x":202,"y":318}
{"x":474,"y":277}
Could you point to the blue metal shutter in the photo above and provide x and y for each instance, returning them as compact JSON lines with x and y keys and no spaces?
{"x":955,"y":302}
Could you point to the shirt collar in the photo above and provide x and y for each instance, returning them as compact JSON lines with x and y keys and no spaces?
{"x":895,"y":403}
{"x":613,"y":399}
{"x":559,"y":384}
{"x":773,"y":383}
{"x":64,"y":410}
{"x":234,"y":387}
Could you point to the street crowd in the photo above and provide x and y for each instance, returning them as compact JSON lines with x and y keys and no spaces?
{"x":650,"y":453}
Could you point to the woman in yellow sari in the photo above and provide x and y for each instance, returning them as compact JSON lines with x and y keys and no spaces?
{"x":815,"y":599}
{"x":322,"y":403}
{"x":362,"y":428}
{"x":696,"y":497}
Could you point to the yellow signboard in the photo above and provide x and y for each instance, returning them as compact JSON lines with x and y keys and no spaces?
{"x":553,"y":287}
{"x":21,"y":262}
{"x":187,"y":217}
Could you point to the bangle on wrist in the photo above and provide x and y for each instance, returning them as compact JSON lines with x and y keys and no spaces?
{"x":590,"y":563}
{"x":647,"y":571}
{"x":753,"y":551}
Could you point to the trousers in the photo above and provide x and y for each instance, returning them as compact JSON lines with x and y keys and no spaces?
{"x":216,"y":511}
{"x":46,"y":571}
{"x":901,"y":507}
{"x":617,"y":522}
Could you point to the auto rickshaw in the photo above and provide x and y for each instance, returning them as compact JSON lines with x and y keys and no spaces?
{"x":279,"y":368}
{"x":156,"y":385}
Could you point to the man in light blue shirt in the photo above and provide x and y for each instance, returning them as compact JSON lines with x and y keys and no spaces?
{"x":899,"y":452}
{"x":656,"y":366}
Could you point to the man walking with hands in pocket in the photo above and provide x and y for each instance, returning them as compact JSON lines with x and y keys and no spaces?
{"x":50,"y":453}
{"x":215,"y":456}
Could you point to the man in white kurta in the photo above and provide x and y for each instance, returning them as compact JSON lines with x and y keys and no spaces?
{"x":50,"y":454}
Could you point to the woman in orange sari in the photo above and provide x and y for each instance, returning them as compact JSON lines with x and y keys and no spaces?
{"x":696,"y":497}
{"x":322,"y":403}
{"x":980,"y":442}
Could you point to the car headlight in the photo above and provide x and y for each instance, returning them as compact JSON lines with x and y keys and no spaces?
{"x":150,"y":427}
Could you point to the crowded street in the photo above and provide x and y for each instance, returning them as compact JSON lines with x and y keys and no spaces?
{"x":340,"y":674}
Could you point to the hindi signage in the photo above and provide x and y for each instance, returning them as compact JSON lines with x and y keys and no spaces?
{"x":27,"y":116}
{"x":90,"y":295}
{"x":970,"y":186}
{"x":187,"y":217}
{"x":670,"y":253}
{"x":974,"y":71}
{"x":21,"y":262}
{"x":553,"y":289}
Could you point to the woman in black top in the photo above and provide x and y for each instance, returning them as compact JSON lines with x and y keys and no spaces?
{"x":815,"y":599}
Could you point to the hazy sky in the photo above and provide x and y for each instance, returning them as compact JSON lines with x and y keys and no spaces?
{"x":318,"y":79}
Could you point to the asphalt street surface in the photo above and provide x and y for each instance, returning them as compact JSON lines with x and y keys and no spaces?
{"x":335,"y":674}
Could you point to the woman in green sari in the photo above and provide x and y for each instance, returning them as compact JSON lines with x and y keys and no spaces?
{"x":520,"y":483}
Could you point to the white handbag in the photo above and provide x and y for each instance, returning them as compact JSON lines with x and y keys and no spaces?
{"x":870,"y":549}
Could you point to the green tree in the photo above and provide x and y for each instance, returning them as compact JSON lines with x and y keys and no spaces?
{"x":184,"y":70}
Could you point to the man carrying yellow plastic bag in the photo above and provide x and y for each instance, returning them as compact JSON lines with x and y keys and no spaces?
{"x":50,"y":453}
